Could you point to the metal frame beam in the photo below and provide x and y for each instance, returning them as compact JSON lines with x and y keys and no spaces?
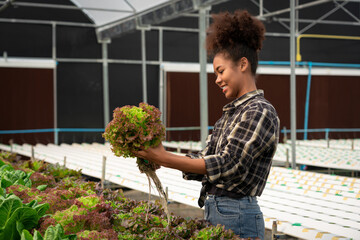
{"x":203,"y":84}
{"x":106,"y":98}
{"x":281,"y":20}
{"x":347,"y":11}
{"x":328,"y":22}
{"x":292,"y":84}
{"x":46,"y":22}
{"x":161,"y":76}
{"x":155,"y":15}
{"x":166,"y":28}
{"x":302,"y":6}
{"x":143,"y":64}
{"x":5,"y":5}
{"x":97,"y":60}
{"x":56,"y":136}
{"x":296,"y":18}
{"x":322,"y":17}
{"x":61,"y":6}
{"x":261,"y":13}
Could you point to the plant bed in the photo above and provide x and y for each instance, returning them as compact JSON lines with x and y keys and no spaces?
{"x":52,"y":202}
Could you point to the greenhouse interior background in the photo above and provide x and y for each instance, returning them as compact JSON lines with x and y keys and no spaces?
{"x":65,"y":65}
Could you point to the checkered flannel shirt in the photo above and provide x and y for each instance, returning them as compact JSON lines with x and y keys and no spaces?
{"x":240,"y":149}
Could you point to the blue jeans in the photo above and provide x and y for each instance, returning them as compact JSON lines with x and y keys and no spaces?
{"x":243,"y":216}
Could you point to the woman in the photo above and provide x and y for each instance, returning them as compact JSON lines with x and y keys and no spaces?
{"x":236,"y":162}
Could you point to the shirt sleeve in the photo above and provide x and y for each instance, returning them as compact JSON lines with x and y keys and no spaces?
{"x":248,"y":139}
{"x":200,"y":154}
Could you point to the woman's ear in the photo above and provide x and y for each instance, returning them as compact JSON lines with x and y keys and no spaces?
{"x":244,"y":64}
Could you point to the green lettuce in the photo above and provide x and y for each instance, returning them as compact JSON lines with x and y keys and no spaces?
{"x":16,"y":216}
{"x":51,"y":233}
{"x":9,"y":176}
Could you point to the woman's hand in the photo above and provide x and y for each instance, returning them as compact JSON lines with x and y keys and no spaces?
{"x":164,"y":158}
{"x":153,"y":154}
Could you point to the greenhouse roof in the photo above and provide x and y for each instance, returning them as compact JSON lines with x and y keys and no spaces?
{"x":107,"y":11}
{"x":112,"y":18}
{"x":128,"y":15}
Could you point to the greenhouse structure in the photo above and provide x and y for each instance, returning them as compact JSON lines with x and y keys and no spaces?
{"x":66,"y":65}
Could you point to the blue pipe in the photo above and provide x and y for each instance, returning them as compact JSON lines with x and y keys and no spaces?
{"x":52,"y":130}
{"x":326,"y":130}
{"x":27,"y":131}
{"x":210,"y":127}
{"x":345,"y":65}
{"x":316,"y":64}
{"x":307,"y":102}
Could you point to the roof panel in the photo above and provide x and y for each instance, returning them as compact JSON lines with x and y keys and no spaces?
{"x":104,"y":4}
{"x":107,"y":11}
{"x":141,"y":5}
{"x":101,"y":17}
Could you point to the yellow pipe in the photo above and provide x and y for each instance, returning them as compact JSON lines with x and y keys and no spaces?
{"x":298,"y":56}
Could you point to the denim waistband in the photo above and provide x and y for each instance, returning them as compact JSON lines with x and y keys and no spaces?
{"x":212,"y":189}
{"x":246,"y":198}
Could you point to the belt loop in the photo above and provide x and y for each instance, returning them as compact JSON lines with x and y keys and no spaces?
{"x":250,"y":198}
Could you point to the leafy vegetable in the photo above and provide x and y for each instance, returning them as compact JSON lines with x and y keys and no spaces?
{"x":12,"y":177}
{"x":106,"y":234}
{"x":134,"y":128}
{"x":60,"y":172}
{"x":7,"y":156}
{"x":9,"y":176}
{"x":89,"y":202}
{"x":16,"y":216}
{"x":36,"y":165}
{"x":51,"y":233}
{"x":38,"y":179}
{"x":41,"y":187}
{"x":214,"y":232}
{"x":90,"y":212}
{"x":78,"y":218}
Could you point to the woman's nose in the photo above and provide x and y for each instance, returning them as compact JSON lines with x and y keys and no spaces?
{"x":218,"y":80}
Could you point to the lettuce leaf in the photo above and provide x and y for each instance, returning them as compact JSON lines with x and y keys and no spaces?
{"x":51,"y":233}
{"x":10,"y":177}
{"x":16,"y":216}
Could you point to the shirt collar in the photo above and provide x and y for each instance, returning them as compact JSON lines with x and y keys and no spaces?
{"x":242,"y":99}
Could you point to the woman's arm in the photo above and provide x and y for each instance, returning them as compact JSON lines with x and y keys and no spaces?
{"x":164,"y":158}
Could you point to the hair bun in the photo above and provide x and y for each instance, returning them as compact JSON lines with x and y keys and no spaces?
{"x":229,"y":30}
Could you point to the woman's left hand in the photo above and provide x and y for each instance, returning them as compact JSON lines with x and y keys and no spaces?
{"x":153,"y":154}
{"x":164,"y":158}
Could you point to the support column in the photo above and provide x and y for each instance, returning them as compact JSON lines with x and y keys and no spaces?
{"x":56,"y":132}
{"x":143,"y":65}
{"x":106,"y":100}
{"x":296,"y":18}
{"x":161,"y":77}
{"x":203,"y":78}
{"x":292,"y":84}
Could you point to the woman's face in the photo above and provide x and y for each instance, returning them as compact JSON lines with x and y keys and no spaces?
{"x":229,"y":76}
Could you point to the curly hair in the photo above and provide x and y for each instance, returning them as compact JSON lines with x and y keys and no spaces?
{"x":236,"y":35}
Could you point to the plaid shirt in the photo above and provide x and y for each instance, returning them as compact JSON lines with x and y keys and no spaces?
{"x":240,"y":149}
